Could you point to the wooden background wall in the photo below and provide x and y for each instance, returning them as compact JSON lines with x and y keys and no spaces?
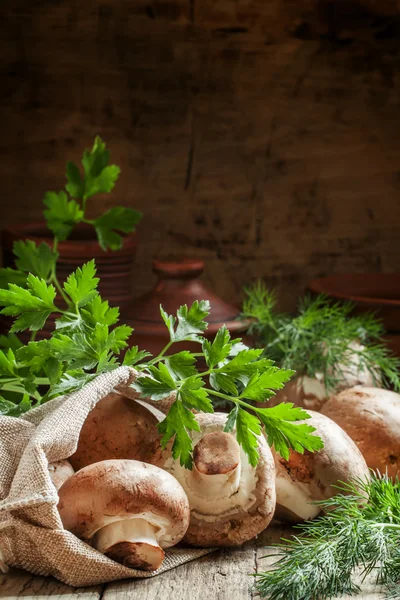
{"x":260,"y":135}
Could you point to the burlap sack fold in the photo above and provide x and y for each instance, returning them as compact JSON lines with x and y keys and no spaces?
{"x":31,"y":533}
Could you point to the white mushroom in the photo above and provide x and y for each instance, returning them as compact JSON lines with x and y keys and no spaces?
{"x":119,"y":427}
{"x":311,"y":476}
{"x":371,"y":417}
{"x":127,"y":509}
{"x":230,"y":501}
{"x":59,"y":472}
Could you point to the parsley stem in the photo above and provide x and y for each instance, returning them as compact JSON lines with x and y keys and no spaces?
{"x":160,"y":356}
{"x":234,"y":399}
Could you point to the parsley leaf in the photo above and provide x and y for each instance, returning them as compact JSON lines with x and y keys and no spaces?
{"x":219,"y":349}
{"x":117,"y":219}
{"x":193,"y":394}
{"x":158,"y":385}
{"x":181,"y":365}
{"x":8,"y":275}
{"x":134,"y":356}
{"x":61,"y":214}
{"x":98,"y":177}
{"x":247,"y":429}
{"x":81,"y":286}
{"x":99,"y":311}
{"x":38,"y":260}
{"x":283,"y":433}
{"x":7,"y":363}
{"x":190,"y":322}
{"x":31,"y":306}
{"x":179,"y":421}
{"x":260,"y":384}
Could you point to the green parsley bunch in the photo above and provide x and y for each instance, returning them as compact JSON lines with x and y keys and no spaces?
{"x":319,"y":340}
{"x":87,"y":341}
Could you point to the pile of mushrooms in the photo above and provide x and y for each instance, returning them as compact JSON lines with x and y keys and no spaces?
{"x":130,"y":499}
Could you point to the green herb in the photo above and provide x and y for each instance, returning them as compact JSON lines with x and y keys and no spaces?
{"x":360,"y":529}
{"x":87,"y":341}
{"x":65,"y":209}
{"x":320,"y":339}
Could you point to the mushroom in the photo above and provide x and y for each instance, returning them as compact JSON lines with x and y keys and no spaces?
{"x":128,"y":510}
{"x":371,"y":417}
{"x":119,"y":427}
{"x":59,"y":472}
{"x":311,"y":476}
{"x":311,"y":392}
{"x":230,"y":501}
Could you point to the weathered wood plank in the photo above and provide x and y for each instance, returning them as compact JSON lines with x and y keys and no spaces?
{"x":20,"y":584}
{"x":223,"y":575}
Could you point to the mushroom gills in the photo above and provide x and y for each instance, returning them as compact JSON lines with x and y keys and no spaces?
{"x":132,"y":542}
{"x":298,"y":503}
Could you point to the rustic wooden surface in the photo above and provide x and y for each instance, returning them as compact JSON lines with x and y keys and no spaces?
{"x":259,"y":136}
{"x":223,"y":575}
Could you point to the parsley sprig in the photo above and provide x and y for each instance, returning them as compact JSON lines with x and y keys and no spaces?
{"x":235,"y":373}
{"x":319,"y":340}
{"x":361,"y":529}
{"x":87,"y":341}
{"x":66,"y":208}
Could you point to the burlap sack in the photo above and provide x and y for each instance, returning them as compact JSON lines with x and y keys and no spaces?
{"x":31,"y":533}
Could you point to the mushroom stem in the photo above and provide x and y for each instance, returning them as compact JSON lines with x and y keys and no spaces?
{"x":216,"y":464}
{"x":131,"y":542}
{"x":298,"y":504}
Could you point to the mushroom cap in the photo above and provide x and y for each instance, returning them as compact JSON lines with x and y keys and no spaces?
{"x":238,"y":523}
{"x":314,"y":474}
{"x":59,"y":472}
{"x":119,"y":427}
{"x":116,"y":490}
{"x":371,"y":417}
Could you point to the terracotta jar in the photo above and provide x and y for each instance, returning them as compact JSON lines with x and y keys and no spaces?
{"x":178,"y":283}
{"x":114,"y":268}
{"x":370,"y":292}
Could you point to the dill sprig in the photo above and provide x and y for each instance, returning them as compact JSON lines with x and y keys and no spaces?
{"x":361,"y":528}
{"x":323,"y":340}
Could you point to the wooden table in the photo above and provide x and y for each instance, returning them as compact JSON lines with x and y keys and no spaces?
{"x":222,"y":575}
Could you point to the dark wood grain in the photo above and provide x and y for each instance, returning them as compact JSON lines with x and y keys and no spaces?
{"x":259,"y":136}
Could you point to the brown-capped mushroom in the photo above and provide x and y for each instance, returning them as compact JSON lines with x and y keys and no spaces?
{"x":311,"y":392}
{"x":119,"y":427}
{"x":59,"y":472}
{"x":306,"y":478}
{"x":230,"y":501}
{"x":128,"y":510}
{"x":371,"y":417}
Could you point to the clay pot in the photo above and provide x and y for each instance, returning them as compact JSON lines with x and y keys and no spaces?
{"x":114,"y":268}
{"x":178,"y":283}
{"x":370,"y":292}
